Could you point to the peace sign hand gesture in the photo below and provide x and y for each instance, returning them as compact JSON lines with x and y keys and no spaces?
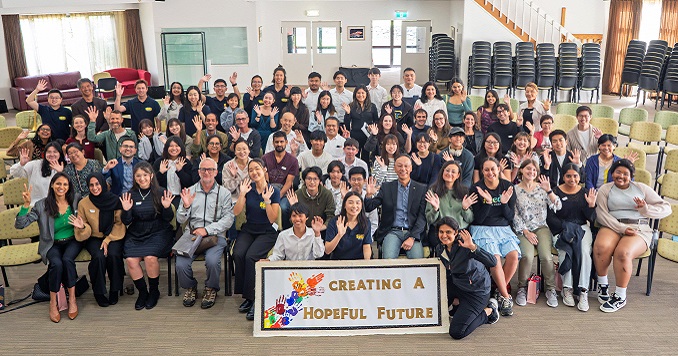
{"x":26,"y":195}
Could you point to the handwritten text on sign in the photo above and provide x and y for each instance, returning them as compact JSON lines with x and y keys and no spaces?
{"x":350,"y":297}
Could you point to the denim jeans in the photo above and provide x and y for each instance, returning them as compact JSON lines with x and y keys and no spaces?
{"x":213,"y":257}
{"x":390,"y":248}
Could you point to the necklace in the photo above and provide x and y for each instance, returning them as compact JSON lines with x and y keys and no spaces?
{"x":143,"y":197}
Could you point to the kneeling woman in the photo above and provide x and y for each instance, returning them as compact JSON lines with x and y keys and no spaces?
{"x":492,"y":216}
{"x":99,"y":226}
{"x":624,"y":209}
{"x":468,"y":282}
{"x":147,"y":213}
{"x":57,"y":242}
{"x":261,"y":203}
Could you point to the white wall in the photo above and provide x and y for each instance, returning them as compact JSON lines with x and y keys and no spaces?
{"x":581,"y":16}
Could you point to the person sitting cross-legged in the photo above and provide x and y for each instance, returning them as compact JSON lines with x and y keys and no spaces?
{"x":299,"y":242}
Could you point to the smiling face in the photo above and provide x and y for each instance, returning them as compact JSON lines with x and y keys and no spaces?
{"x":220,"y":89}
{"x":143,"y":178}
{"x":503,"y":115}
{"x":79,"y":124}
{"x":233,"y":102}
{"x":529,"y":172}
{"x":269,"y":99}
{"x":451,"y":174}
{"x":141,"y":89}
{"x":522,"y":143}
{"x":147,"y":130}
{"x":340,"y":80}
{"x":559,"y":144}
{"x":491,"y":146}
{"x":546,"y":126}
{"x":387,"y":122}
{"x":256,"y":83}
{"x":335,"y":176}
{"x":279,"y":143}
{"x":279,"y":77}
{"x":469,"y":121}
{"x":606,"y":149}
{"x":214,"y":146}
{"x":287,"y":122}
{"x":193,"y":96}
{"x":439,"y":121}
{"x":420,"y":119}
{"x":86,"y":89}
{"x":76,"y":156}
{"x":256,"y":172}
{"x":490,"y":171}
{"x":446,"y":235}
{"x":422,"y":146}
{"x":331,"y":128}
{"x":312,"y":182}
{"x":211,"y":122}
{"x":391,"y":147}
{"x":54,"y":100}
{"x":298,"y":220}
{"x":571,"y":179}
{"x":396,"y":94}
{"x":409,"y":77}
{"x":403,"y":168}
{"x":583,"y":120}
{"x":357,"y":183}
{"x":175,"y":129}
{"x":52,"y":154}
{"x":94,"y":187}
{"x":128,"y":149}
{"x":457,"y":88}
{"x":242,"y":150}
{"x":457,"y":141}
{"x":360,"y":95}
{"x":296,"y":98}
{"x":353,"y":206}
{"x":173,"y":150}
{"x":314,"y":83}
{"x":177,"y":89}
{"x":430,"y":92}
{"x":621,"y":177}
{"x":115,"y":121}
{"x":45,"y":132}
{"x":60,"y":187}
{"x":530,"y":94}
{"x":325,"y":101}
{"x":491,"y":99}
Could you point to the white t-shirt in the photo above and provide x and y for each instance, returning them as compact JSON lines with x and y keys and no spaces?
{"x":346,"y":97}
{"x":311,"y":100}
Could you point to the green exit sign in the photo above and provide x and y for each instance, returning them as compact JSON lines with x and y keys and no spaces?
{"x":400,"y":14}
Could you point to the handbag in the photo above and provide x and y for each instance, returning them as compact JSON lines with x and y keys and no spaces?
{"x":533,"y":287}
{"x":62,"y":304}
{"x":189,"y":245}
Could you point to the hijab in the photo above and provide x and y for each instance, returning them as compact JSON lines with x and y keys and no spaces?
{"x":106,"y":202}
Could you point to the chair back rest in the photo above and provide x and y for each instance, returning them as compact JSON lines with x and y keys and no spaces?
{"x":12,"y":190}
{"x":27,"y":119}
{"x":669,"y":224}
{"x":666,"y":118}
{"x":646,"y":131}
{"x":640,"y":162}
{"x":600,"y":110}
{"x":669,"y":187}
{"x":97,"y":76}
{"x":8,"y":135}
{"x":643,"y":176}
{"x":607,"y":125}
{"x":672,"y":135}
{"x":567,"y":108}
{"x":671,"y":162}
{"x":564,"y":122}
{"x":3,"y":122}
{"x":628,"y":116}
{"x":8,"y":230}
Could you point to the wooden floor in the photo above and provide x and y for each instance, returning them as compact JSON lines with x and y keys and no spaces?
{"x":645,"y":326}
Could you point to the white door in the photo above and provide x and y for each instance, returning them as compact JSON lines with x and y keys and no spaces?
{"x":326,"y":47}
{"x":416,"y":39}
{"x":297,"y":51}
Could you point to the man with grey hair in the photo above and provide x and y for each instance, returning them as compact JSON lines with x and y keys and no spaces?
{"x":89,"y":100}
{"x":209,"y":212}
{"x":242,"y":129}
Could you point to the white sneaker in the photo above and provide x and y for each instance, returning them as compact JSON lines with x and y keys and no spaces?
{"x":568,"y":298}
{"x":521,"y":297}
{"x":551,"y":298}
{"x":583,"y":304}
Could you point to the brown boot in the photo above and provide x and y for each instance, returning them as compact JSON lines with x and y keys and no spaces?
{"x":72,"y":304}
{"x":54,"y":315}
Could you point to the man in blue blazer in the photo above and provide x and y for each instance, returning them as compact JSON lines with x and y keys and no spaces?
{"x":118,"y":172}
{"x":402,"y":212}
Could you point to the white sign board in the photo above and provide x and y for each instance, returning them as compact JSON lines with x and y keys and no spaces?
{"x":321,"y":298}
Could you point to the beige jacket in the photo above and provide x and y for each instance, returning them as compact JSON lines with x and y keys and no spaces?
{"x":90,"y":216}
{"x":656,"y":207}
{"x":586,"y":148}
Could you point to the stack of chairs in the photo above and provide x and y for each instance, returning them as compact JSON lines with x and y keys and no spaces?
{"x":502,"y":67}
{"x":568,"y":69}
{"x":651,"y":70}
{"x":633,"y":62}
{"x":480,"y":66}
{"x":670,"y":81}
{"x":524,"y":66}
{"x":589,"y":72}
{"x":442,"y":60}
{"x":546,"y":68}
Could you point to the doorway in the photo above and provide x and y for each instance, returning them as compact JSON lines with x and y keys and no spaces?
{"x":310,"y":46}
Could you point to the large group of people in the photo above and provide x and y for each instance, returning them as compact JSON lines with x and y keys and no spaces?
{"x":323,"y":172}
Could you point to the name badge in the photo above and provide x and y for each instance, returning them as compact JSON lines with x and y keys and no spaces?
{"x":283,"y":168}
{"x":225,"y":105}
{"x":62,"y":118}
{"x":92,"y":211}
{"x":510,"y":136}
{"x":148,"y":109}
{"x":137,"y":203}
{"x":87,"y":143}
{"x":563,"y":198}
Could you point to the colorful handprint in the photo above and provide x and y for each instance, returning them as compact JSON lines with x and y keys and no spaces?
{"x":287,"y":307}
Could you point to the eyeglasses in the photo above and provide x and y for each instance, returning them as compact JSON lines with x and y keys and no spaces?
{"x":73,"y":153}
{"x":492,"y":143}
{"x":45,"y":129}
{"x":220,"y":86}
{"x":500,"y":111}
{"x":240,"y":119}
{"x":207,"y":170}
{"x":128,"y":146}
{"x":214,"y":144}
{"x":312,"y":179}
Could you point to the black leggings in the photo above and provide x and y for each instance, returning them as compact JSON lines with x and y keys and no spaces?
{"x":469,"y":314}
{"x":61,"y":268}
{"x":100,"y":264}
{"x":250,"y":248}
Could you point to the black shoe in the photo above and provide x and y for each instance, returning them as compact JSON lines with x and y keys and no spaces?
{"x":250,"y":314}
{"x":152,"y":300}
{"x":102,"y":300}
{"x":113,"y":297}
{"x":141,"y":301}
{"x":246,"y":306}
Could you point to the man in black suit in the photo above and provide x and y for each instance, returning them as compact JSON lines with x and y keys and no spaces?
{"x":402,"y":215}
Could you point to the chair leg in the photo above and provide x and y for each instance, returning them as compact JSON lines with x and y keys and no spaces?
{"x":650,"y":271}
{"x":227,"y":273}
{"x":169,"y":275}
{"x":176,"y":280}
{"x":640,"y":264}
{"x":637,"y":97}
{"x":4,"y":276}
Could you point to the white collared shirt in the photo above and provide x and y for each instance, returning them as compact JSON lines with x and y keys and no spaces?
{"x":292,"y":248}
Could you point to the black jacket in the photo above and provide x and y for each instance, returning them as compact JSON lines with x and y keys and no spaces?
{"x":555,"y":171}
{"x":416,"y":208}
{"x":467,"y":270}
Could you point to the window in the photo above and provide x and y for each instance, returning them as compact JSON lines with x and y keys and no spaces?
{"x":386,"y":42}
{"x":70,"y":42}
{"x":650,"y":21}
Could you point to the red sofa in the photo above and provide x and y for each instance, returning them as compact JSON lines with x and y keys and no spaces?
{"x":66,"y":82}
{"x":127,"y":77}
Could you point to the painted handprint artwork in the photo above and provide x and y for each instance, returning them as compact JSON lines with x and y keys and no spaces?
{"x":287,"y":307}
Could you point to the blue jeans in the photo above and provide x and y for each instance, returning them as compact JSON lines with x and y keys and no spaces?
{"x":390,"y":248}
{"x":213,"y":257}
{"x":286,"y":209}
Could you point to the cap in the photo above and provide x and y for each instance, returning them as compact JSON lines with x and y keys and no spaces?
{"x":457,"y":131}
